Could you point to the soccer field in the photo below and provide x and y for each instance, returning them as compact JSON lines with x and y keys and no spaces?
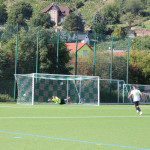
{"x":74,"y":127}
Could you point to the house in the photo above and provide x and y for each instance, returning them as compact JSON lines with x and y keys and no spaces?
{"x":57,"y":13}
{"x":83,"y":38}
{"x":142,"y":32}
{"x":83,"y":49}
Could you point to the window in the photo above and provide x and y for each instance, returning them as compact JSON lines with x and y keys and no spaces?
{"x":84,"y":53}
{"x":53,"y":19}
{"x":62,"y":19}
{"x":50,"y":12}
{"x":54,"y":12}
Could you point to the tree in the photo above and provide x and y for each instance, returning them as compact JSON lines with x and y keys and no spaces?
{"x":139,"y":67}
{"x":133,"y":6}
{"x":42,"y":20}
{"x":100,"y":28}
{"x":119,"y":32}
{"x":97,"y":19}
{"x":110,"y":14}
{"x":79,"y":4}
{"x":127,"y":18}
{"x":3,"y":13}
{"x":121,"y":6}
{"x":6,"y":69}
{"x":8,"y":33}
{"x":73,"y":23}
{"x":19,"y":12}
{"x":27,"y":47}
{"x":140,"y":43}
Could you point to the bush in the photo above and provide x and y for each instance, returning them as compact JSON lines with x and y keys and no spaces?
{"x":5,"y":98}
{"x":79,"y":4}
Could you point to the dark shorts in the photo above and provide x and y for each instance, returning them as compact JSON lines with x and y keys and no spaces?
{"x":62,"y":101}
{"x":136,"y":103}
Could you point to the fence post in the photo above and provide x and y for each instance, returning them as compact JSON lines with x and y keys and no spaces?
{"x":57,"y":51}
{"x":128,"y":61}
{"x":76,"y":53}
{"x":118,"y":89}
{"x":94,"y":55}
{"x":37,"y":52}
{"x":111,"y":58}
{"x":111,"y":68}
{"x":16,"y":63}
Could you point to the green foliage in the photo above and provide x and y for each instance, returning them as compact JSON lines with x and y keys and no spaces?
{"x":110,"y":14}
{"x":48,"y":53}
{"x":140,"y":43}
{"x":121,"y":6}
{"x":127,"y":18}
{"x":100,"y":28}
{"x":19,"y":12}
{"x":42,"y":20}
{"x":1,"y":32}
{"x":73,"y":23}
{"x":98,"y":24}
{"x":5,"y":98}
{"x":3,"y":13}
{"x":102,"y":64}
{"x":8,"y":33}
{"x":79,"y":4}
{"x":6,"y":64}
{"x":27,"y":47}
{"x":97,"y":19}
{"x":139,"y":67}
{"x":133,"y":6}
{"x":119,"y":67}
{"x":68,"y":36}
{"x":119,"y":32}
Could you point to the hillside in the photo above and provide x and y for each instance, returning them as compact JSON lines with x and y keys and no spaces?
{"x":90,"y":7}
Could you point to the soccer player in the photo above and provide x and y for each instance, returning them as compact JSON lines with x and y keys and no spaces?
{"x":59,"y":101}
{"x":136,"y":98}
{"x":55,"y":99}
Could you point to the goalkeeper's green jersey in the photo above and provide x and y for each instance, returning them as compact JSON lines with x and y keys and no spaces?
{"x":55,"y":100}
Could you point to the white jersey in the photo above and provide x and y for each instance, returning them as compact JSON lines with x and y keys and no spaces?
{"x":136,"y":95}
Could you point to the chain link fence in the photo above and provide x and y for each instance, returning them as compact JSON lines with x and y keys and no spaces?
{"x":26,"y":50}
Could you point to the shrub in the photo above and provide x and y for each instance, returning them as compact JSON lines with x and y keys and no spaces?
{"x":5,"y":98}
{"x":79,"y":4}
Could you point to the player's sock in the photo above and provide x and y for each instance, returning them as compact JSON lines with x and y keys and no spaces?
{"x":139,"y":109}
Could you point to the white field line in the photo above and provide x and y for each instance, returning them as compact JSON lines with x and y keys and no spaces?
{"x":84,"y":117}
{"x":99,"y":108}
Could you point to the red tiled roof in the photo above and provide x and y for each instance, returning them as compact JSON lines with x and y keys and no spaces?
{"x":119,"y":53}
{"x":64,"y":10}
{"x":47,"y":8}
{"x":72,"y":46}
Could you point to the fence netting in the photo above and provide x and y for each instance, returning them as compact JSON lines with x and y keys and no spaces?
{"x":26,"y":50}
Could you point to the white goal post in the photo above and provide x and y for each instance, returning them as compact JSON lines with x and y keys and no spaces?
{"x":145,"y":89}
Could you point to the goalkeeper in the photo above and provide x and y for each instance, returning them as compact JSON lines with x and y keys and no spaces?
{"x":57,"y":100}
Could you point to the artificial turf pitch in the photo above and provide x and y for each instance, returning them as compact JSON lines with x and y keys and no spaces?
{"x":74,"y":127}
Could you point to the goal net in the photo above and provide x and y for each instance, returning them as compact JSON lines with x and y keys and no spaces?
{"x":39,"y":88}
{"x":145,"y":89}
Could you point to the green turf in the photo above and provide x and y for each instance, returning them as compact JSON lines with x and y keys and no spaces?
{"x":107,"y":127}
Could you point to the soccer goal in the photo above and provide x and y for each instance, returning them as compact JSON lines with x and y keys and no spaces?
{"x":38,"y":88}
{"x":145,"y":89}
